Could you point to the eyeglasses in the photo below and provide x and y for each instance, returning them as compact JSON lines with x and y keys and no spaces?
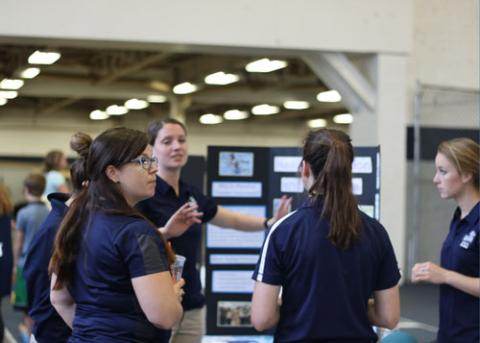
{"x":146,"y":163}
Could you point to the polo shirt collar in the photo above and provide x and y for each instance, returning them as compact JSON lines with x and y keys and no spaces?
{"x":472,"y":217}
{"x":163,"y":187}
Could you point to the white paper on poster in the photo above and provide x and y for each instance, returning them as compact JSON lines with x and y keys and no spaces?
{"x":235,"y":163}
{"x":357,"y":185}
{"x":232,"y":281}
{"x":239,"y":189}
{"x":218,"y":237}
{"x":362,"y":165}
{"x":289,"y":184}
{"x":369,"y":210}
{"x":286,"y":164}
{"x":226,"y":259}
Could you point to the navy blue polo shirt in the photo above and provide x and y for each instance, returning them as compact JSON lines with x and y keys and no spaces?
{"x":114,"y":250}
{"x":159,"y":209}
{"x":6,"y":255}
{"x":48,"y":326}
{"x":325,"y":289}
{"x":459,"y":311}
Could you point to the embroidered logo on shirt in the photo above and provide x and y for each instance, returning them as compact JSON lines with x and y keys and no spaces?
{"x":1,"y":249}
{"x":468,"y":239}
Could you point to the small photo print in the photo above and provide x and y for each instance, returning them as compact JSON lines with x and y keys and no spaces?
{"x":234,"y":314}
{"x":233,"y":163}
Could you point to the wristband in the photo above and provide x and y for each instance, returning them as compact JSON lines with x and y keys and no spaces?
{"x":265,"y":223}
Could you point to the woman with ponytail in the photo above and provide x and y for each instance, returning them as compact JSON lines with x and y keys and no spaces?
{"x":327,"y":257}
{"x":110,"y":267}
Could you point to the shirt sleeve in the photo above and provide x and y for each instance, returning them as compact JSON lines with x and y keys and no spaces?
{"x":269,"y":267}
{"x":21,"y":222}
{"x":388,"y":274}
{"x":206,"y":205}
{"x":142,"y":249}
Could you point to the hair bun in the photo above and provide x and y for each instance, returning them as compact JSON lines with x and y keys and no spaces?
{"x":80,"y":143}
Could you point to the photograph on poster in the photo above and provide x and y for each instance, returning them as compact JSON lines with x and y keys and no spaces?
{"x":232,"y":281}
{"x":236,"y":189}
{"x":231,"y":259}
{"x":369,"y":210}
{"x":286,"y":164}
{"x":235,"y":163}
{"x":234,"y":314}
{"x":357,"y":186}
{"x":218,"y":237}
{"x":362,"y":165}
{"x":290,"y":184}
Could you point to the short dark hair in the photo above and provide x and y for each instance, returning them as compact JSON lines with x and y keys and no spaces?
{"x":35,"y":184}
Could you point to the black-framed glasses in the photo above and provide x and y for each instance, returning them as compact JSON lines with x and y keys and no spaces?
{"x":146,"y":163}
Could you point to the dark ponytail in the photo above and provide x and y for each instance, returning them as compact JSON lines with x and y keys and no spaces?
{"x":113,"y":147}
{"x":330,"y":156}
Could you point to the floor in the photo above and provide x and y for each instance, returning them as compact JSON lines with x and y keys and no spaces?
{"x":419,"y":309}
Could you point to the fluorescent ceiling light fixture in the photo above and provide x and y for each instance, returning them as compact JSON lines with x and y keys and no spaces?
{"x":98,"y":115}
{"x":210,"y":119}
{"x":345,"y":118}
{"x":29,"y":73}
{"x":329,"y":96}
{"x":296,"y":105}
{"x":316,"y":123}
{"x":157,"y":98}
{"x":220,"y":78}
{"x":265,"y":110}
{"x":11,"y":84}
{"x":115,"y":110}
{"x":43,"y":57}
{"x":184,"y":88}
{"x":8,"y":94}
{"x":136,"y":104}
{"x":235,"y":115}
{"x":265,"y":65}
{"x":3,"y":101}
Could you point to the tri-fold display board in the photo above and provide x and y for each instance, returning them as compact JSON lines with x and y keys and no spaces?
{"x":251,"y":180}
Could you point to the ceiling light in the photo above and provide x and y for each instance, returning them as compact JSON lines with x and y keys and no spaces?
{"x":184,"y":88}
{"x":98,"y":115}
{"x":235,"y":115}
{"x":345,"y":118}
{"x":210,"y":119}
{"x":11,"y":84}
{"x":315,"y":123}
{"x":156,"y":98}
{"x":296,"y":105}
{"x":29,"y":73}
{"x":329,"y":96}
{"x":265,"y":110}
{"x":43,"y":57}
{"x":3,"y":101}
{"x":221,"y":78}
{"x":115,"y":110}
{"x":265,"y":65}
{"x":136,"y":104}
{"x":8,"y":94}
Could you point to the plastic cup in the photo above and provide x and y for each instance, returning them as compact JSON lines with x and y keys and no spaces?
{"x":177,"y":266}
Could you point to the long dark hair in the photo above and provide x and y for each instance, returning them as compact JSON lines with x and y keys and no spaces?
{"x":330,"y":155}
{"x":114,"y":147}
{"x":157,"y":125}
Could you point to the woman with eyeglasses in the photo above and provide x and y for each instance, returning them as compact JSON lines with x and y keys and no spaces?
{"x":169,"y":140}
{"x":110,"y":268}
{"x":457,"y":177}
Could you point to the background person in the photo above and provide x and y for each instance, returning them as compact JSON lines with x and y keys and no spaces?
{"x":169,"y":140}
{"x":29,"y":219}
{"x":329,"y":257}
{"x":111,"y":278}
{"x":457,"y":178}
{"x":6,"y":255}
{"x":54,"y":163}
